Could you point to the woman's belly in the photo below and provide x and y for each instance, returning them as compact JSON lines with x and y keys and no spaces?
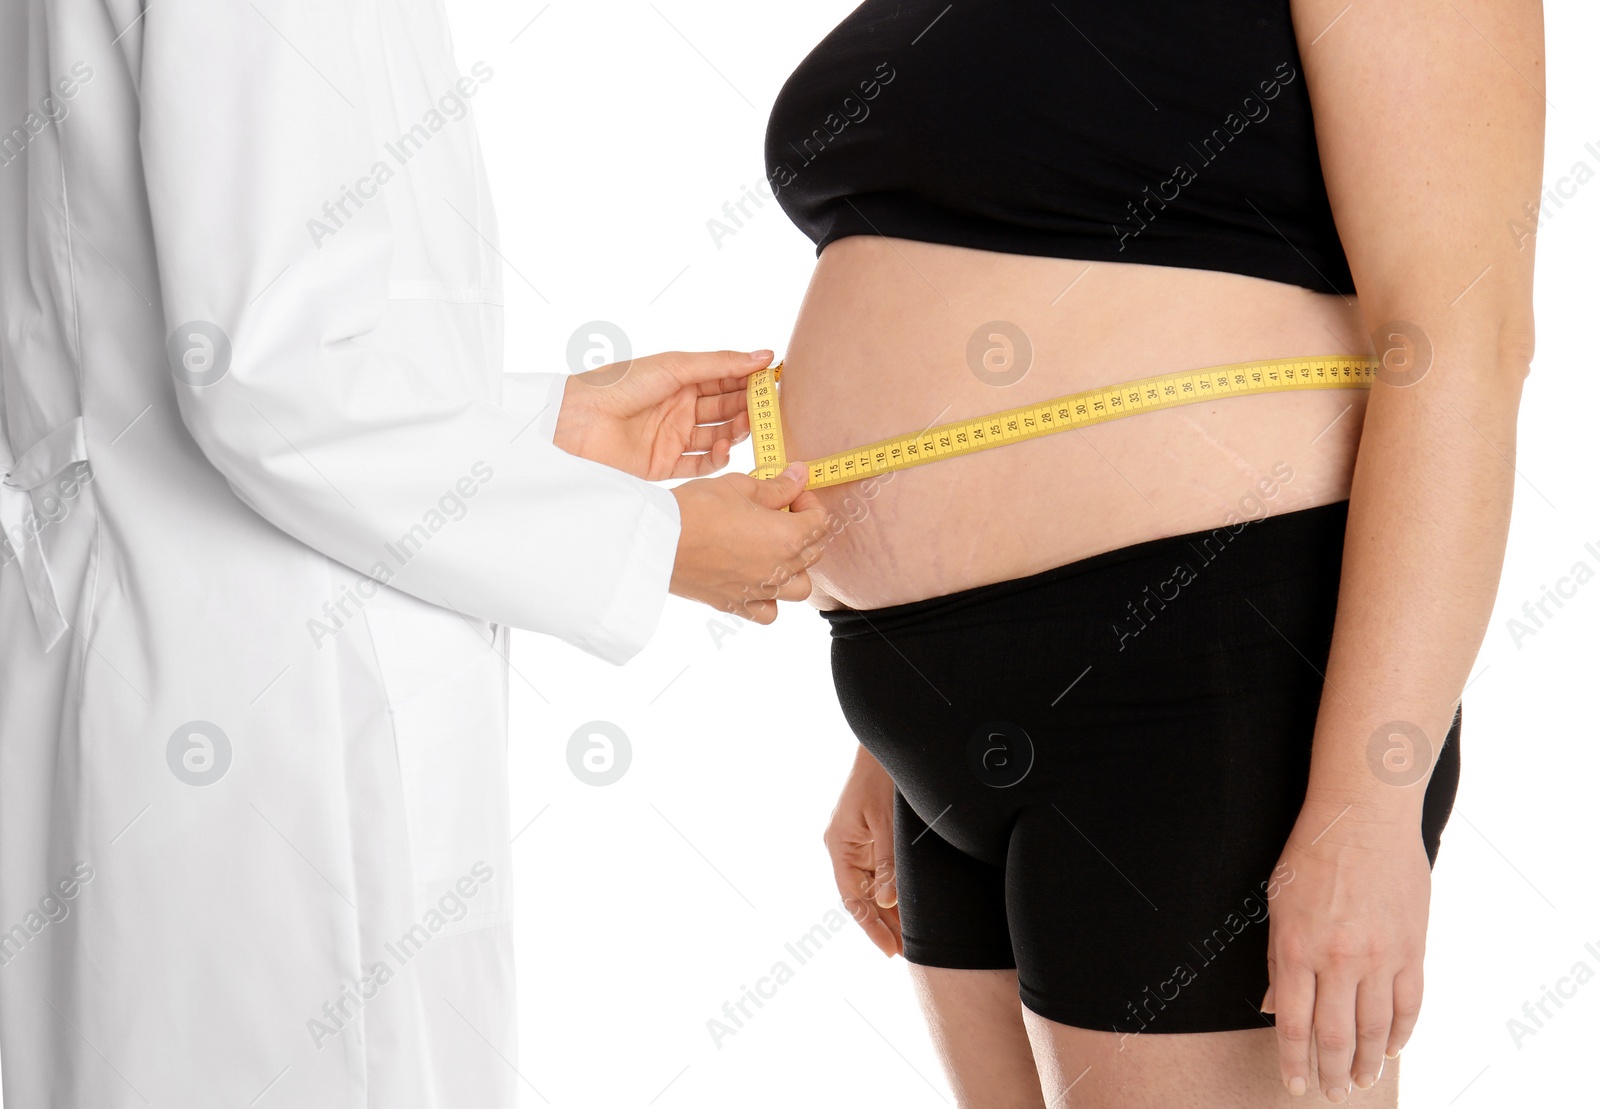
{"x":884,"y":345}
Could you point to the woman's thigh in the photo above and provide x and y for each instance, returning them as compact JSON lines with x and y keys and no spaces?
{"x":998,"y":1055}
{"x":975,"y":1020}
{"x":1084,"y":1069}
{"x":1097,"y":770}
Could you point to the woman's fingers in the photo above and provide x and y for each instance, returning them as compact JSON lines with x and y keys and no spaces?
{"x":855,"y":882}
{"x":860,"y":843}
{"x":1333,"y":1024}
{"x":1374,"y":1017}
{"x":1294,"y":992}
{"x":880,"y":921}
{"x":885,"y":893}
{"x":884,"y":936}
{"x":1267,"y":1005}
{"x":1345,"y":954}
{"x":1407,"y":1004}
{"x":885,"y":931}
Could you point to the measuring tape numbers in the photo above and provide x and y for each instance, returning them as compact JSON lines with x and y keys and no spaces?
{"x":1033,"y":421}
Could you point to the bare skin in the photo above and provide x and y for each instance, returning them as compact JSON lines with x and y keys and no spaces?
{"x":998,"y":1055}
{"x":678,"y":415}
{"x":1430,"y":129}
{"x":880,"y":347}
{"x":978,"y":1030}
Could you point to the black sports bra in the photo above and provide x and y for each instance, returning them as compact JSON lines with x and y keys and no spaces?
{"x":1166,"y":133}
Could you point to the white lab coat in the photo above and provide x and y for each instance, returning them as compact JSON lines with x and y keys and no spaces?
{"x":253,"y":826}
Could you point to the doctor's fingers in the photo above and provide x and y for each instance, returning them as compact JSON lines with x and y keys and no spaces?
{"x":703,"y":465}
{"x":706,"y":435}
{"x":797,"y":587}
{"x":708,"y":449}
{"x":712,"y":367}
{"x":806,"y":537}
{"x":761,"y":612}
{"x":718,"y":408}
{"x":784,"y":583}
{"x":811,"y":522}
{"x":773,"y":492}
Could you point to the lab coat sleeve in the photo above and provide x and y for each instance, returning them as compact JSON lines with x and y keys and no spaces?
{"x":359,"y":409}
{"x":537,"y":397}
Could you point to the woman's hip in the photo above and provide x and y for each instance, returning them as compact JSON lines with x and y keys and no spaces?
{"x":1180,"y":676}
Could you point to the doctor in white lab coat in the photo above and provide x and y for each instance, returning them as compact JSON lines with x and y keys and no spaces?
{"x":270,"y":509}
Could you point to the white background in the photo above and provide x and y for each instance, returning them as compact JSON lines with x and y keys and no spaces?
{"x":614,"y":132}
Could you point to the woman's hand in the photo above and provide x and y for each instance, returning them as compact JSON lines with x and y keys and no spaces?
{"x":660,"y":416}
{"x":1344,"y":947}
{"x":860,"y":840}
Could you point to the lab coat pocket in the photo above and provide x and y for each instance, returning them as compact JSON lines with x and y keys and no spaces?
{"x":444,"y":678}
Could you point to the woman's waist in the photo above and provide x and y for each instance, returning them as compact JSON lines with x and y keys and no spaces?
{"x":1213,"y":566}
{"x":1011,"y":512}
{"x":1019,"y":508}
{"x":897,"y":337}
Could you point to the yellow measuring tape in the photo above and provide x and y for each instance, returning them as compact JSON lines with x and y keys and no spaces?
{"x":1031,"y":421}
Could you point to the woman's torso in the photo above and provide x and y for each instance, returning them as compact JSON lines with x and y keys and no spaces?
{"x":880,"y":347}
{"x":968,"y":168}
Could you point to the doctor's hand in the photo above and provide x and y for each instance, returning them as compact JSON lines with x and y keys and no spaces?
{"x":860,"y":841}
{"x":737,"y":552}
{"x":660,"y":416}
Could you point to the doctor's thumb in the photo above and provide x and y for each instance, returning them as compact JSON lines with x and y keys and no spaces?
{"x":780,"y":491}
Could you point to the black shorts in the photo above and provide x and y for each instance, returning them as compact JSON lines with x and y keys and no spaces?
{"x":1098,"y":766}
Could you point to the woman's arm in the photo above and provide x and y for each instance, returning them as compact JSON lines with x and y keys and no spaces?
{"x":1430,"y":123}
{"x":860,"y":841}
